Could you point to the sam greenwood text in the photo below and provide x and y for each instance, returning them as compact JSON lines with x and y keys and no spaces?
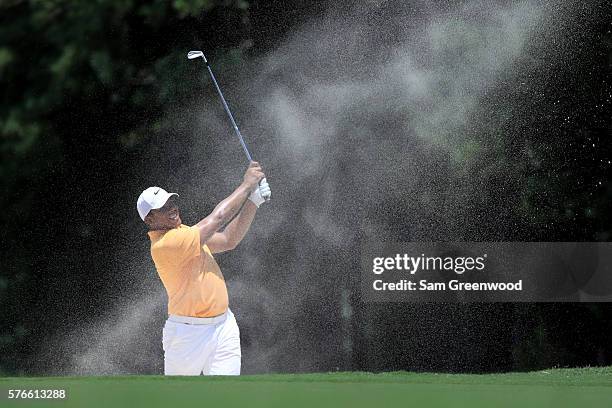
{"x":423,"y":285}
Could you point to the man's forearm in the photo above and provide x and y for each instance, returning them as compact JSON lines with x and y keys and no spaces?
{"x":237,"y":229}
{"x":223,"y":212}
{"x":230,"y":207}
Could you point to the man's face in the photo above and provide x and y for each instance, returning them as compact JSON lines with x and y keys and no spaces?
{"x":164,"y":218}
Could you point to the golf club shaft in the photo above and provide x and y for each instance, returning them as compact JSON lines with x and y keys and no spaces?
{"x":197,"y":54}
{"x":229,"y":113}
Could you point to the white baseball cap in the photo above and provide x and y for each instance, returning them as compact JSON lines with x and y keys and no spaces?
{"x":152,"y":199}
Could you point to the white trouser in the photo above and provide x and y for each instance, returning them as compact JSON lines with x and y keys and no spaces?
{"x":193,"y":346}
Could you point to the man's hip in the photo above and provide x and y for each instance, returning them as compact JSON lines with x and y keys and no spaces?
{"x":202,"y":345}
{"x":199,"y":320}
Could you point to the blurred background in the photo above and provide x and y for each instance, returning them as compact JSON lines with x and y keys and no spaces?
{"x":374,"y":120}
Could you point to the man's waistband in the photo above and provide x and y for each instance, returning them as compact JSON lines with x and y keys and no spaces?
{"x":197,"y":320}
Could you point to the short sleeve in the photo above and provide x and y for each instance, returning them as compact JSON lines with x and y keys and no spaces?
{"x":181,"y":245}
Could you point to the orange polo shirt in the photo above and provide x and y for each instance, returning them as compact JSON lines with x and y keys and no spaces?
{"x":190,"y":274}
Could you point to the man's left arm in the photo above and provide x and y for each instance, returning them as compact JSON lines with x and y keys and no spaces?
{"x":235,"y":231}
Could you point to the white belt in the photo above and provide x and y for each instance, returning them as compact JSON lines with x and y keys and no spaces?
{"x":197,"y":320}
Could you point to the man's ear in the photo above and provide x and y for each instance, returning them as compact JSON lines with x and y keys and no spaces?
{"x":148,"y":219}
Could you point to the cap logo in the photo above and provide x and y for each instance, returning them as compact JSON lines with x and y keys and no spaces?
{"x":155,"y":193}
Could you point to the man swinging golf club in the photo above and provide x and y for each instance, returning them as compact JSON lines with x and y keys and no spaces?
{"x":201,"y":334}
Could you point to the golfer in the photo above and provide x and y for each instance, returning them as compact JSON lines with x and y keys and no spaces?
{"x":201,"y":334}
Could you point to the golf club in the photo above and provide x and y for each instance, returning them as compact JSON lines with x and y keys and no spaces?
{"x":197,"y":54}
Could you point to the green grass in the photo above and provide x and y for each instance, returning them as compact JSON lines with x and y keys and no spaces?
{"x":584,"y":387}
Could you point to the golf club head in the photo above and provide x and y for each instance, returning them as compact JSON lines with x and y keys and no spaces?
{"x":196,"y":54}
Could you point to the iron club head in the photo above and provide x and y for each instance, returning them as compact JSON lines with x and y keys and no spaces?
{"x":195,"y":54}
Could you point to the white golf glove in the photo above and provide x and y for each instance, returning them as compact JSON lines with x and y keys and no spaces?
{"x":261,"y":193}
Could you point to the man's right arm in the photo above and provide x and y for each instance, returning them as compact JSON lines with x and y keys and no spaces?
{"x":227,"y":209}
